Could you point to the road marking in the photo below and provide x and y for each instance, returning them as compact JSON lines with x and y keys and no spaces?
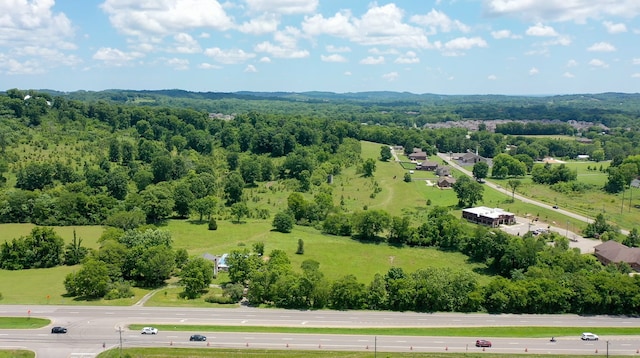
{"x":108,"y":313}
{"x":243,"y":321}
{"x":325,"y":339}
{"x":363,"y":340}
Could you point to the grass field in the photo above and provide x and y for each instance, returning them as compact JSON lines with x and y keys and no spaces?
{"x":337,"y":255}
{"x":515,"y":332}
{"x":258,"y":353}
{"x":23,"y":322}
{"x":16,"y":354}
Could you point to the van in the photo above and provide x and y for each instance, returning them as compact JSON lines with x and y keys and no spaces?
{"x":589,"y":337}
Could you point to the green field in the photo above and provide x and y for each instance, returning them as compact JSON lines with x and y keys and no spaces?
{"x":23,"y":322}
{"x":259,"y":353}
{"x":516,"y":332}
{"x":16,"y":354}
{"x":337,"y":256}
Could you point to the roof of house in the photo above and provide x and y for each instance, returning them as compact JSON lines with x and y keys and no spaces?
{"x":418,"y":154}
{"x":429,"y":164}
{"x":614,"y":251}
{"x":449,"y":180}
{"x":208,"y":256}
{"x":487,"y":212}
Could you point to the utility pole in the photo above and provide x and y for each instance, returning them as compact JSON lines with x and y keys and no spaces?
{"x":375,"y":346}
{"x":120,"y":331}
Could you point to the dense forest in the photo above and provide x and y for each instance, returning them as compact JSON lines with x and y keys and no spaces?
{"x":131,"y":160}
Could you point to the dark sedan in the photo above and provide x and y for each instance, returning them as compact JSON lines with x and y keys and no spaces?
{"x":197,"y":337}
{"x":58,"y":330}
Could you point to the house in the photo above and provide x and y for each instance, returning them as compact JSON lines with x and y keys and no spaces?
{"x":418,"y":156}
{"x":493,"y":217}
{"x":446,"y":182}
{"x":214,"y":260}
{"x":582,"y":157}
{"x":430,"y":166}
{"x":443,"y":171}
{"x":471,"y":158}
{"x":615,"y":252}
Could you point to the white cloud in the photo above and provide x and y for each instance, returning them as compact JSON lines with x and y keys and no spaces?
{"x":614,"y":28}
{"x":636,"y":61}
{"x":504,"y":34}
{"x":568,"y":10}
{"x":492,"y":77}
{"x":265,"y":59}
{"x":33,"y":22}
{"x":144,"y":19}
{"x":333,"y":58}
{"x":572,"y":63}
{"x":541,"y":30}
{"x":231,"y":56}
{"x":283,"y":6}
{"x":601,"y":47}
{"x":453,"y":47}
{"x":388,"y":51}
{"x":178,"y":63}
{"x":12,"y":66}
{"x":598,"y":63}
{"x":379,"y":26}
{"x":184,"y":43}
{"x":568,"y":75}
{"x":331,"y":48}
{"x":115,"y":57}
{"x":347,"y":73}
{"x":264,"y":24}
{"x":408,"y":58}
{"x":250,"y":69}
{"x":635,"y":75}
{"x":280,"y":51}
{"x":370,"y":60}
{"x":209,"y":66}
{"x":533,"y":71}
{"x":391,"y":76}
{"x":438,"y":21}
{"x":35,"y":37}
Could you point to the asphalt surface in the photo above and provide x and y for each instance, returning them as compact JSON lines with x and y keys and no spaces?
{"x":91,"y":327}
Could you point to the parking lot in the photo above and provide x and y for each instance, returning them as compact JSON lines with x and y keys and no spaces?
{"x":523,"y":225}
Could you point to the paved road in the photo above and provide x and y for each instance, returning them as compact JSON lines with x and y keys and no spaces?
{"x":90,"y":327}
{"x":445,"y":157}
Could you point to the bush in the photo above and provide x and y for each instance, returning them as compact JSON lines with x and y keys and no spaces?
{"x":300,"y":250}
{"x":219,"y":299}
{"x":213,"y":224}
{"x":119,"y":290}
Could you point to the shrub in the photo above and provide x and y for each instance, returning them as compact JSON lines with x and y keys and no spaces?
{"x":213,"y":225}
{"x":219,"y":299}
{"x":300,"y":250}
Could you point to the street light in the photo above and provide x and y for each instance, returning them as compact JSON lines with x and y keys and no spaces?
{"x":607,"y":349}
{"x":120,"y":332}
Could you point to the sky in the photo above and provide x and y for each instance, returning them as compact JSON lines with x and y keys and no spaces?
{"x":512,"y":47}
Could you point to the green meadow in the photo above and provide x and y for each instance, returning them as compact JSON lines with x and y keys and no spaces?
{"x":337,"y":256}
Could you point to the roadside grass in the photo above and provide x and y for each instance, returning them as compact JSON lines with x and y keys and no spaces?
{"x":512,"y":331}
{"x":260,"y":353}
{"x":23,"y":322}
{"x":18,"y":353}
{"x":170,"y":297}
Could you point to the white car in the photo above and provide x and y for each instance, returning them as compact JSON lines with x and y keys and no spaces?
{"x":149,"y":330}
{"x":589,"y":337}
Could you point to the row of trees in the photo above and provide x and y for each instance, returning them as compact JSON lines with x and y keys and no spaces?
{"x":42,"y":248}
{"x":548,"y":279}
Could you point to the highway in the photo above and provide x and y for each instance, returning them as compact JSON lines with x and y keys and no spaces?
{"x":90,"y":327}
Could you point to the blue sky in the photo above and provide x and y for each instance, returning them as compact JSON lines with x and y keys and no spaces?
{"x":426,"y":46}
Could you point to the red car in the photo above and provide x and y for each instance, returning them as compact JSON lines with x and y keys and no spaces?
{"x":483,"y":343}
